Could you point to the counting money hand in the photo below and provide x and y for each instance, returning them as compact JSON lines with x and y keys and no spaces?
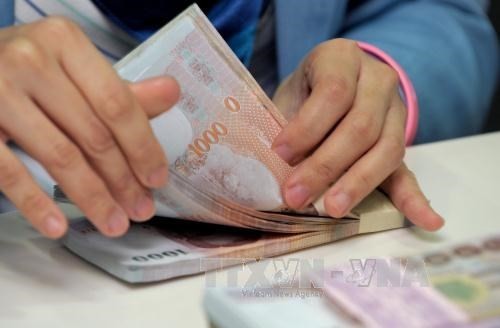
{"x":223,"y":171}
{"x":219,"y":136}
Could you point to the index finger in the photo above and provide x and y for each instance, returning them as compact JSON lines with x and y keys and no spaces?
{"x":113,"y":102}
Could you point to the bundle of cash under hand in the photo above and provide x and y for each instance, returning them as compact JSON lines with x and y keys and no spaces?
{"x":223,"y":171}
{"x":454,"y":287}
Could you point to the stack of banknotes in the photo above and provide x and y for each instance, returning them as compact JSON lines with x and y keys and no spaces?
{"x":454,"y":287}
{"x":223,"y":171}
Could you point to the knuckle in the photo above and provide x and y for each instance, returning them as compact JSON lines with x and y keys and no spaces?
{"x":389,"y":75}
{"x":10,"y":174}
{"x":124,"y":182}
{"x":143,"y":152}
{"x":58,"y":28}
{"x":338,"y":86}
{"x":63,"y":155}
{"x":339,"y":45}
{"x":365,"y":181}
{"x":115,"y":106}
{"x":346,"y":45}
{"x":363,"y":128}
{"x":96,"y":203}
{"x":336,"y":89}
{"x":97,"y":198}
{"x":315,"y":54}
{"x":93,"y":196}
{"x":35,"y":202}
{"x":100,"y":139}
{"x":325,"y":171}
{"x":22,"y":53}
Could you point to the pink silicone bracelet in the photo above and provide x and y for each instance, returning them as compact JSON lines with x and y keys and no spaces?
{"x":406,"y":86}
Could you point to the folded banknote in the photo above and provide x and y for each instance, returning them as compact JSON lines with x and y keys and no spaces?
{"x":223,"y":171}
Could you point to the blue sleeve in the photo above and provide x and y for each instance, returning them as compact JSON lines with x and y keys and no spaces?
{"x":450,"y":51}
{"x":6,"y":13}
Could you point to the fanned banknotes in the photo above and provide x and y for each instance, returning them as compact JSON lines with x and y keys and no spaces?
{"x":218,"y":140}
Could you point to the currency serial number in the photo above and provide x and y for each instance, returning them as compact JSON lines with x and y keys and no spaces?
{"x":159,"y":256}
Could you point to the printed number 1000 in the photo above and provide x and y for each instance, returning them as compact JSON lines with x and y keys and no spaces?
{"x":211,"y":136}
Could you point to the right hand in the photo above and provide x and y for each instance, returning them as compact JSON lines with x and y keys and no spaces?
{"x":63,"y":104}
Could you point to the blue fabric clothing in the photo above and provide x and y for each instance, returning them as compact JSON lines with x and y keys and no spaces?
{"x":236,"y":20}
{"x":6,"y":13}
{"x":447,"y":47}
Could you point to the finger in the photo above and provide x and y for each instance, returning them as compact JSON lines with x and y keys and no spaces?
{"x":3,"y":136}
{"x":404,"y":191}
{"x":371,"y":169}
{"x":62,"y":159}
{"x":156,"y":95}
{"x":64,"y":104}
{"x":17,"y":184}
{"x":331,"y":73}
{"x":291,"y":94}
{"x":111,"y":99}
{"x":352,"y":138}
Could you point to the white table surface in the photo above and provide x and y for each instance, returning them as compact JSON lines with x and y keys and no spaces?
{"x":44,"y":285}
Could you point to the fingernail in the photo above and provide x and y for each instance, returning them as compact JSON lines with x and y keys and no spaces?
{"x":159,"y":176}
{"x":441,"y":222}
{"x":144,"y":207}
{"x":297,"y":195}
{"x":117,"y":222}
{"x":437,"y":224}
{"x":285,"y":152}
{"x":341,"y":202}
{"x":53,"y":226}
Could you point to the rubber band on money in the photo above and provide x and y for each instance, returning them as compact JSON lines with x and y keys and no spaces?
{"x":407,"y":88}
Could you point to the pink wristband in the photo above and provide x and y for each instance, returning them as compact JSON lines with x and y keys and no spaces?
{"x":406,"y":86}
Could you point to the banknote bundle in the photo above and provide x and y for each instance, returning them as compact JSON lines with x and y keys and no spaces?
{"x":454,"y":287}
{"x":223,"y":171}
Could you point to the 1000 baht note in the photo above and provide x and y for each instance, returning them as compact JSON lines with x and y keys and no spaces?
{"x":164,"y":249}
{"x":223,"y":171}
{"x":220,"y":133}
{"x":219,"y":136}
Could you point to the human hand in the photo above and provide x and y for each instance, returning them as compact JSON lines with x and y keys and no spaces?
{"x":403,"y":189}
{"x":63,"y":104}
{"x":346,"y":131}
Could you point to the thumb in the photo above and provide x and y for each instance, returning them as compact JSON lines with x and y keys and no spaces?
{"x":156,"y":95}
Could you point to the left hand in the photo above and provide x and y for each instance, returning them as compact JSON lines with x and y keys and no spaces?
{"x":346,"y":129}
